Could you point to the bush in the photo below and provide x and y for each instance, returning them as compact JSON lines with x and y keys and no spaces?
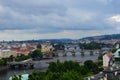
{"x":53,"y":76}
{"x":37,"y":54}
{"x":100,"y":57}
{"x":15,"y":77}
{"x":68,"y":70}
{"x":84,"y":70}
{"x":37,"y":75}
{"x":3,"y":61}
{"x":64,"y":67}
{"x":100,"y":63}
{"x":71,"y":75}
{"x":22,"y":57}
{"x":91,"y":66}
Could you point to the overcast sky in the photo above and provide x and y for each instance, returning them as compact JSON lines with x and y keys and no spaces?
{"x":51,"y":19}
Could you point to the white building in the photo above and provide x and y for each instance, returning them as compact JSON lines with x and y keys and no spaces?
{"x":7,"y":53}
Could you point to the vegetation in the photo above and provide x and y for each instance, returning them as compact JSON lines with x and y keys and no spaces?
{"x":100,"y":57}
{"x":3,"y":62}
{"x":93,"y":67}
{"x":68,"y":70}
{"x":58,"y":46}
{"x":36,"y":54}
{"x":64,"y":67}
{"x":22,"y":57}
{"x":114,"y":50}
{"x":15,"y":77}
{"x":104,"y":37}
{"x":92,"y":45}
{"x":100,"y":62}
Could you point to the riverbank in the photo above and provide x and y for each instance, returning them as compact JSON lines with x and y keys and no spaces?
{"x":42,"y":65}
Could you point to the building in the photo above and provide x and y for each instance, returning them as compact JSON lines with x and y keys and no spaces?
{"x":71,"y":47}
{"x":7,"y":53}
{"x":24,"y":49}
{"x":46,"y":47}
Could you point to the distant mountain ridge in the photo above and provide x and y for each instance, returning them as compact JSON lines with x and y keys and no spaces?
{"x":64,"y":40}
{"x":56,"y":40}
{"x":103,"y":37}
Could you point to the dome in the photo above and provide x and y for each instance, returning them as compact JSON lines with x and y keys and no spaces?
{"x":23,"y":46}
{"x":117,"y":54}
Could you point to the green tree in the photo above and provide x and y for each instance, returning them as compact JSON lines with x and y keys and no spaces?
{"x":22,"y":57}
{"x":71,"y":75}
{"x":16,"y":77}
{"x":113,"y":50}
{"x":53,"y":76}
{"x":58,"y":46}
{"x":84,"y":70}
{"x":68,"y":70}
{"x":91,"y":66}
{"x":37,"y":54}
{"x":91,"y":46}
{"x":3,"y":61}
{"x":37,"y":75}
{"x":52,"y":67}
{"x":100,"y":57}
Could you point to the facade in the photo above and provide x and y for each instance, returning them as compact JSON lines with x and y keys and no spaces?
{"x":6,"y":50}
{"x":107,"y":59}
{"x":46,"y":47}
{"x":7,"y":53}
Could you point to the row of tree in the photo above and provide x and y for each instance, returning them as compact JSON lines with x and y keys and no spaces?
{"x":91,"y":46}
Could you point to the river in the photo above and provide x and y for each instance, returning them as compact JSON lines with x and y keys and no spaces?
{"x":42,"y":66}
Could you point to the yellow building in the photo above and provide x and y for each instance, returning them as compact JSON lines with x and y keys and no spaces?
{"x":46,"y":47}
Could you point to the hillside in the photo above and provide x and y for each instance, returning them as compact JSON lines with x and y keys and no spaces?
{"x":103,"y":37}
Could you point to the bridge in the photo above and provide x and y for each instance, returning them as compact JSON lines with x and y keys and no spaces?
{"x":72,"y":52}
{"x":26,"y":64}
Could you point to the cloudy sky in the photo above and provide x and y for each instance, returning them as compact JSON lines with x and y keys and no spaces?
{"x":46,"y":19}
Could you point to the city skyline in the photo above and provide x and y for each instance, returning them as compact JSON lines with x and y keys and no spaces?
{"x":56,"y":19}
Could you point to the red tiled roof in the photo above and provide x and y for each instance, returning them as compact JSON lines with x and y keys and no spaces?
{"x":24,"y":51}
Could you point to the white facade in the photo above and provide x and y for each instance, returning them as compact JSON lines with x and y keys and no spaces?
{"x":105,"y":60}
{"x":7,"y":53}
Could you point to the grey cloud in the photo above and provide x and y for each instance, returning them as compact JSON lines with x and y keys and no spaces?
{"x":35,"y":7}
{"x":57,"y":15}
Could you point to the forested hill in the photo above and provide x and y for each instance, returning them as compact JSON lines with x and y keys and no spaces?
{"x":103,"y":37}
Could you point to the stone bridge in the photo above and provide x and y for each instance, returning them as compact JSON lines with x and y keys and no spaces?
{"x":26,"y":64}
{"x":72,"y":52}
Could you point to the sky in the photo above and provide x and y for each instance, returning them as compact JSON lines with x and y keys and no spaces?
{"x":56,"y":19}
